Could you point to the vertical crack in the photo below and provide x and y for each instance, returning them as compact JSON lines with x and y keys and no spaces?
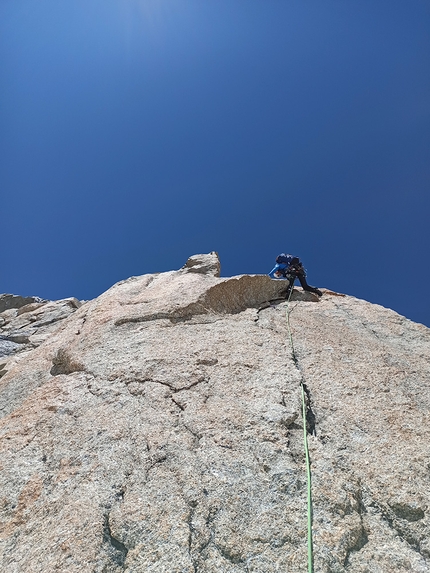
{"x":310,"y":416}
{"x":117,"y":550}
{"x":361,"y":538}
{"x":190,"y":538}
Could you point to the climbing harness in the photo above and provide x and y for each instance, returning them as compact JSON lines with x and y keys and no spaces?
{"x":305,"y":440}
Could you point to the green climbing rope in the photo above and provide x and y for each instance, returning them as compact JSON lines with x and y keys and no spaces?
{"x":308,"y":477}
{"x":305,"y":439}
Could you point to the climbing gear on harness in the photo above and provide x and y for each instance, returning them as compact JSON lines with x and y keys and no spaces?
{"x":291,"y":273}
{"x":305,"y":440}
{"x":297,"y":271}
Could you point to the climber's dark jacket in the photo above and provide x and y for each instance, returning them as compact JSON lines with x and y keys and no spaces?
{"x":289,"y":267}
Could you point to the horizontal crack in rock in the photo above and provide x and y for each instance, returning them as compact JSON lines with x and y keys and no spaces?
{"x":174,"y":389}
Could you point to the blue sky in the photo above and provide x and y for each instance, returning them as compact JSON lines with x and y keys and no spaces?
{"x":135,"y":133}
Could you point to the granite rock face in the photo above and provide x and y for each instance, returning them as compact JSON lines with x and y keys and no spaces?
{"x":158,"y":428}
{"x":25,"y":322}
{"x":206,"y":264}
{"x":9,"y":301}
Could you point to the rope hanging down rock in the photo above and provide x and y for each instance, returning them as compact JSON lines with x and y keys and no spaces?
{"x":305,"y":440}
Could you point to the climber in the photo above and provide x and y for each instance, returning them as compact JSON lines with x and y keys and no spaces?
{"x":289,"y":267}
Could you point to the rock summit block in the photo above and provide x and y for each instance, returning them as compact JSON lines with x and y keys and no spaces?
{"x":208,"y":264}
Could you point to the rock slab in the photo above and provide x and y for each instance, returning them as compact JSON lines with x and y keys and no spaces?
{"x":158,"y":428}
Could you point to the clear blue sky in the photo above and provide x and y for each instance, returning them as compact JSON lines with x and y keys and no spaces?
{"x":134,"y":133}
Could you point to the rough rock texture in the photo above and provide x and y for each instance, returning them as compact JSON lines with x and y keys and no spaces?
{"x":8,"y":301}
{"x":158,"y":429}
{"x":206,"y":264}
{"x":25,"y":322}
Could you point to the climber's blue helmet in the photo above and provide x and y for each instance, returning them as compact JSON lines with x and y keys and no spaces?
{"x":284,"y":259}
